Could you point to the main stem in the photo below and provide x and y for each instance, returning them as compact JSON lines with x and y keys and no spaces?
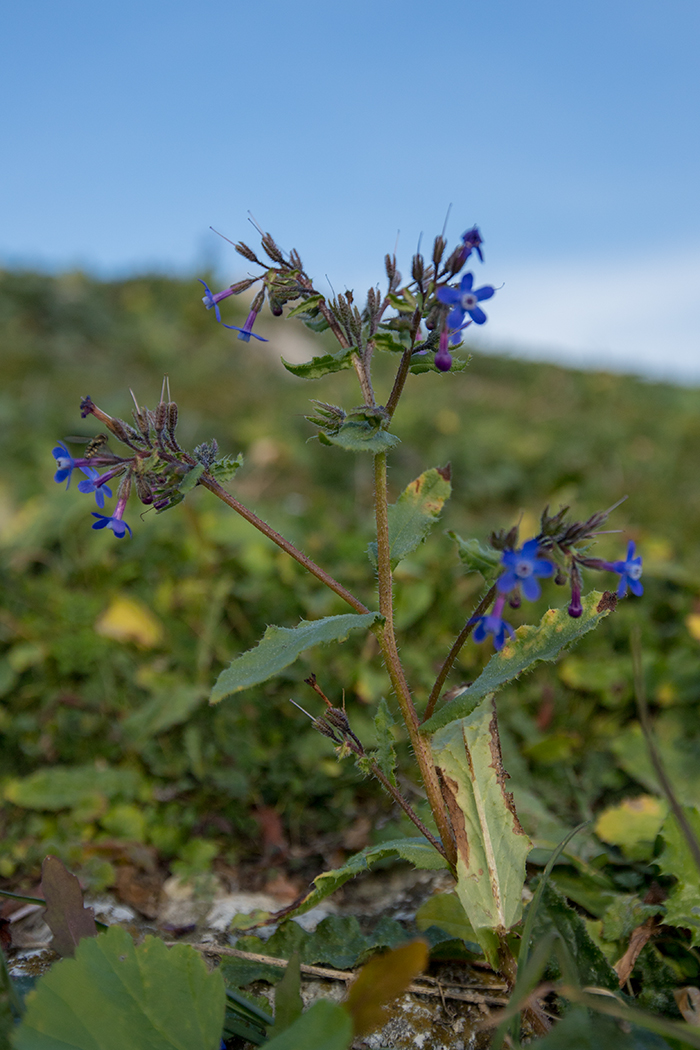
{"x":387,"y":641}
{"x":289,"y":548}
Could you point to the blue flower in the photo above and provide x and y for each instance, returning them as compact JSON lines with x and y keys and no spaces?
{"x":118,"y":527}
{"x":630,"y":571}
{"x":522,"y":568}
{"x":464,"y":300}
{"x":493,"y":625}
{"x":212,"y":300}
{"x":246,"y":331}
{"x":472,"y":242}
{"x":92,"y":485}
{"x":65,"y":462}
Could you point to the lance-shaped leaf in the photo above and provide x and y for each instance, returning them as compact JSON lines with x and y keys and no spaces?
{"x":66,"y":915}
{"x":324,"y":1027}
{"x":113,"y":996}
{"x":322,"y":366}
{"x":380,"y":982}
{"x":359,"y":435}
{"x":416,"y":850}
{"x":491,"y":845}
{"x":385,"y":755}
{"x":414,"y":513}
{"x":529,"y":645}
{"x":476,"y":557}
{"x":191,"y":478}
{"x":280,"y":646}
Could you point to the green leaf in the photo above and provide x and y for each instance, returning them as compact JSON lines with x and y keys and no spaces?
{"x":677,"y":742}
{"x":67,"y":787}
{"x":308,"y":306}
{"x":591,"y":965}
{"x":415,"y":512}
{"x":386,"y":340}
{"x":172,"y":705}
{"x":477,"y":557}
{"x":683,"y":903}
{"x":385,"y":755}
{"x":531,"y":644}
{"x":113,"y":995}
{"x":491,"y":845}
{"x":191,"y":478}
{"x":66,"y":915}
{"x":280,"y":647}
{"x":633,"y":825}
{"x":324,"y":1027}
{"x":359,"y":435}
{"x":446,"y":911}
{"x":224,"y":469}
{"x":322,"y":366}
{"x":288,"y":1003}
{"x":417,"y":850}
{"x":580,"y":1030}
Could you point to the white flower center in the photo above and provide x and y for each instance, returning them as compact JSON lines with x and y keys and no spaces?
{"x":635,"y":572}
{"x":469,"y":301}
{"x":63,"y":462}
{"x":523,"y":568}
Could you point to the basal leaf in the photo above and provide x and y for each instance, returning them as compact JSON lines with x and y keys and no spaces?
{"x":113,"y":995}
{"x":683,"y":903}
{"x":359,"y":435}
{"x":322,"y":366}
{"x":417,"y":850}
{"x":324,"y":1027}
{"x":415,"y":512}
{"x":492,"y":846}
{"x":554,"y":913}
{"x":530,"y":644}
{"x":380,"y":982}
{"x":288,"y":1003}
{"x":280,"y":646}
{"x":66,"y":915}
{"x":446,"y":911}
{"x":477,"y":557}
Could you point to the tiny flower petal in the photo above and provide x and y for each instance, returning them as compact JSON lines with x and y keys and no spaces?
{"x":118,"y":527}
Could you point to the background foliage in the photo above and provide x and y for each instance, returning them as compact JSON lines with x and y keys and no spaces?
{"x":109,"y":648}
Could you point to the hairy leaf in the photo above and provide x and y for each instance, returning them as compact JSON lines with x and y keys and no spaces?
{"x":446,"y":911}
{"x":280,"y":646}
{"x":683,"y":903}
{"x":554,"y":913}
{"x":492,"y":846}
{"x":113,"y":995}
{"x":66,"y":915}
{"x":380,"y":982}
{"x":416,"y":850}
{"x":530,"y":644}
{"x":322,"y":366}
{"x":385,"y":755}
{"x":359,"y":435}
{"x":477,"y":557}
{"x":308,"y":306}
{"x":191,"y":478}
{"x":415,"y":512}
{"x":225,"y":468}
{"x":324,"y":1027}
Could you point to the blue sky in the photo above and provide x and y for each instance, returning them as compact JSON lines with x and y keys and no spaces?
{"x":568,"y":132}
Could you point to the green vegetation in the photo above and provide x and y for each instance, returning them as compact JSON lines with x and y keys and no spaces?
{"x":110,"y":648}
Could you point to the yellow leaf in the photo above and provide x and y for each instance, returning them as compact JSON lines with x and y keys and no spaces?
{"x":379,"y":983}
{"x":127,"y":620}
{"x":633,"y":825}
{"x":692,"y":622}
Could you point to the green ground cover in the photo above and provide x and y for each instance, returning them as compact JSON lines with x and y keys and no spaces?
{"x":108,"y":648}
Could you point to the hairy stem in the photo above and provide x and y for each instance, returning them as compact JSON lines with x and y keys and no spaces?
{"x":454,"y":651}
{"x":399,"y":381}
{"x":405,"y":806}
{"x":289,"y":548}
{"x":387,"y":641}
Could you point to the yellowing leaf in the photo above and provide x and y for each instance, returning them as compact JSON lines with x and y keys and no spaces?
{"x":633,"y":825}
{"x":692,"y":622}
{"x":128,"y":620}
{"x":379,"y":983}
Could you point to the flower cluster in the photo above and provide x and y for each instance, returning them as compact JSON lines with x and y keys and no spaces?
{"x":155,"y":465}
{"x":541,"y":558}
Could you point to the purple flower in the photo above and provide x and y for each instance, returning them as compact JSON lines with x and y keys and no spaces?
{"x":575,"y":608}
{"x":493,"y":625}
{"x":246,"y":331}
{"x":212,"y":300}
{"x":464,"y":300}
{"x":630,"y":571}
{"x":65,"y":463}
{"x":472,"y":242}
{"x":115,"y":523}
{"x":95,"y":484}
{"x":443,"y":358}
{"x":522,"y":568}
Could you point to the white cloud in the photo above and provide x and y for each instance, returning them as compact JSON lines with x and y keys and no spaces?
{"x":632,"y":316}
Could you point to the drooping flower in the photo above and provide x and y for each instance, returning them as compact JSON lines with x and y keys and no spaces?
{"x":94,"y":483}
{"x":115,"y":523}
{"x":522,"y":569}
{"x":575,"y":607}
{"x":443,"y":358}
{"x":465,"y":300}
{"x":493,"y":625}
{"x":65,"y":462}
{"x":472,"y":242}
{"x":630,"y":571}
{"x":211,"y":300}
{"x":246,"y":331}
